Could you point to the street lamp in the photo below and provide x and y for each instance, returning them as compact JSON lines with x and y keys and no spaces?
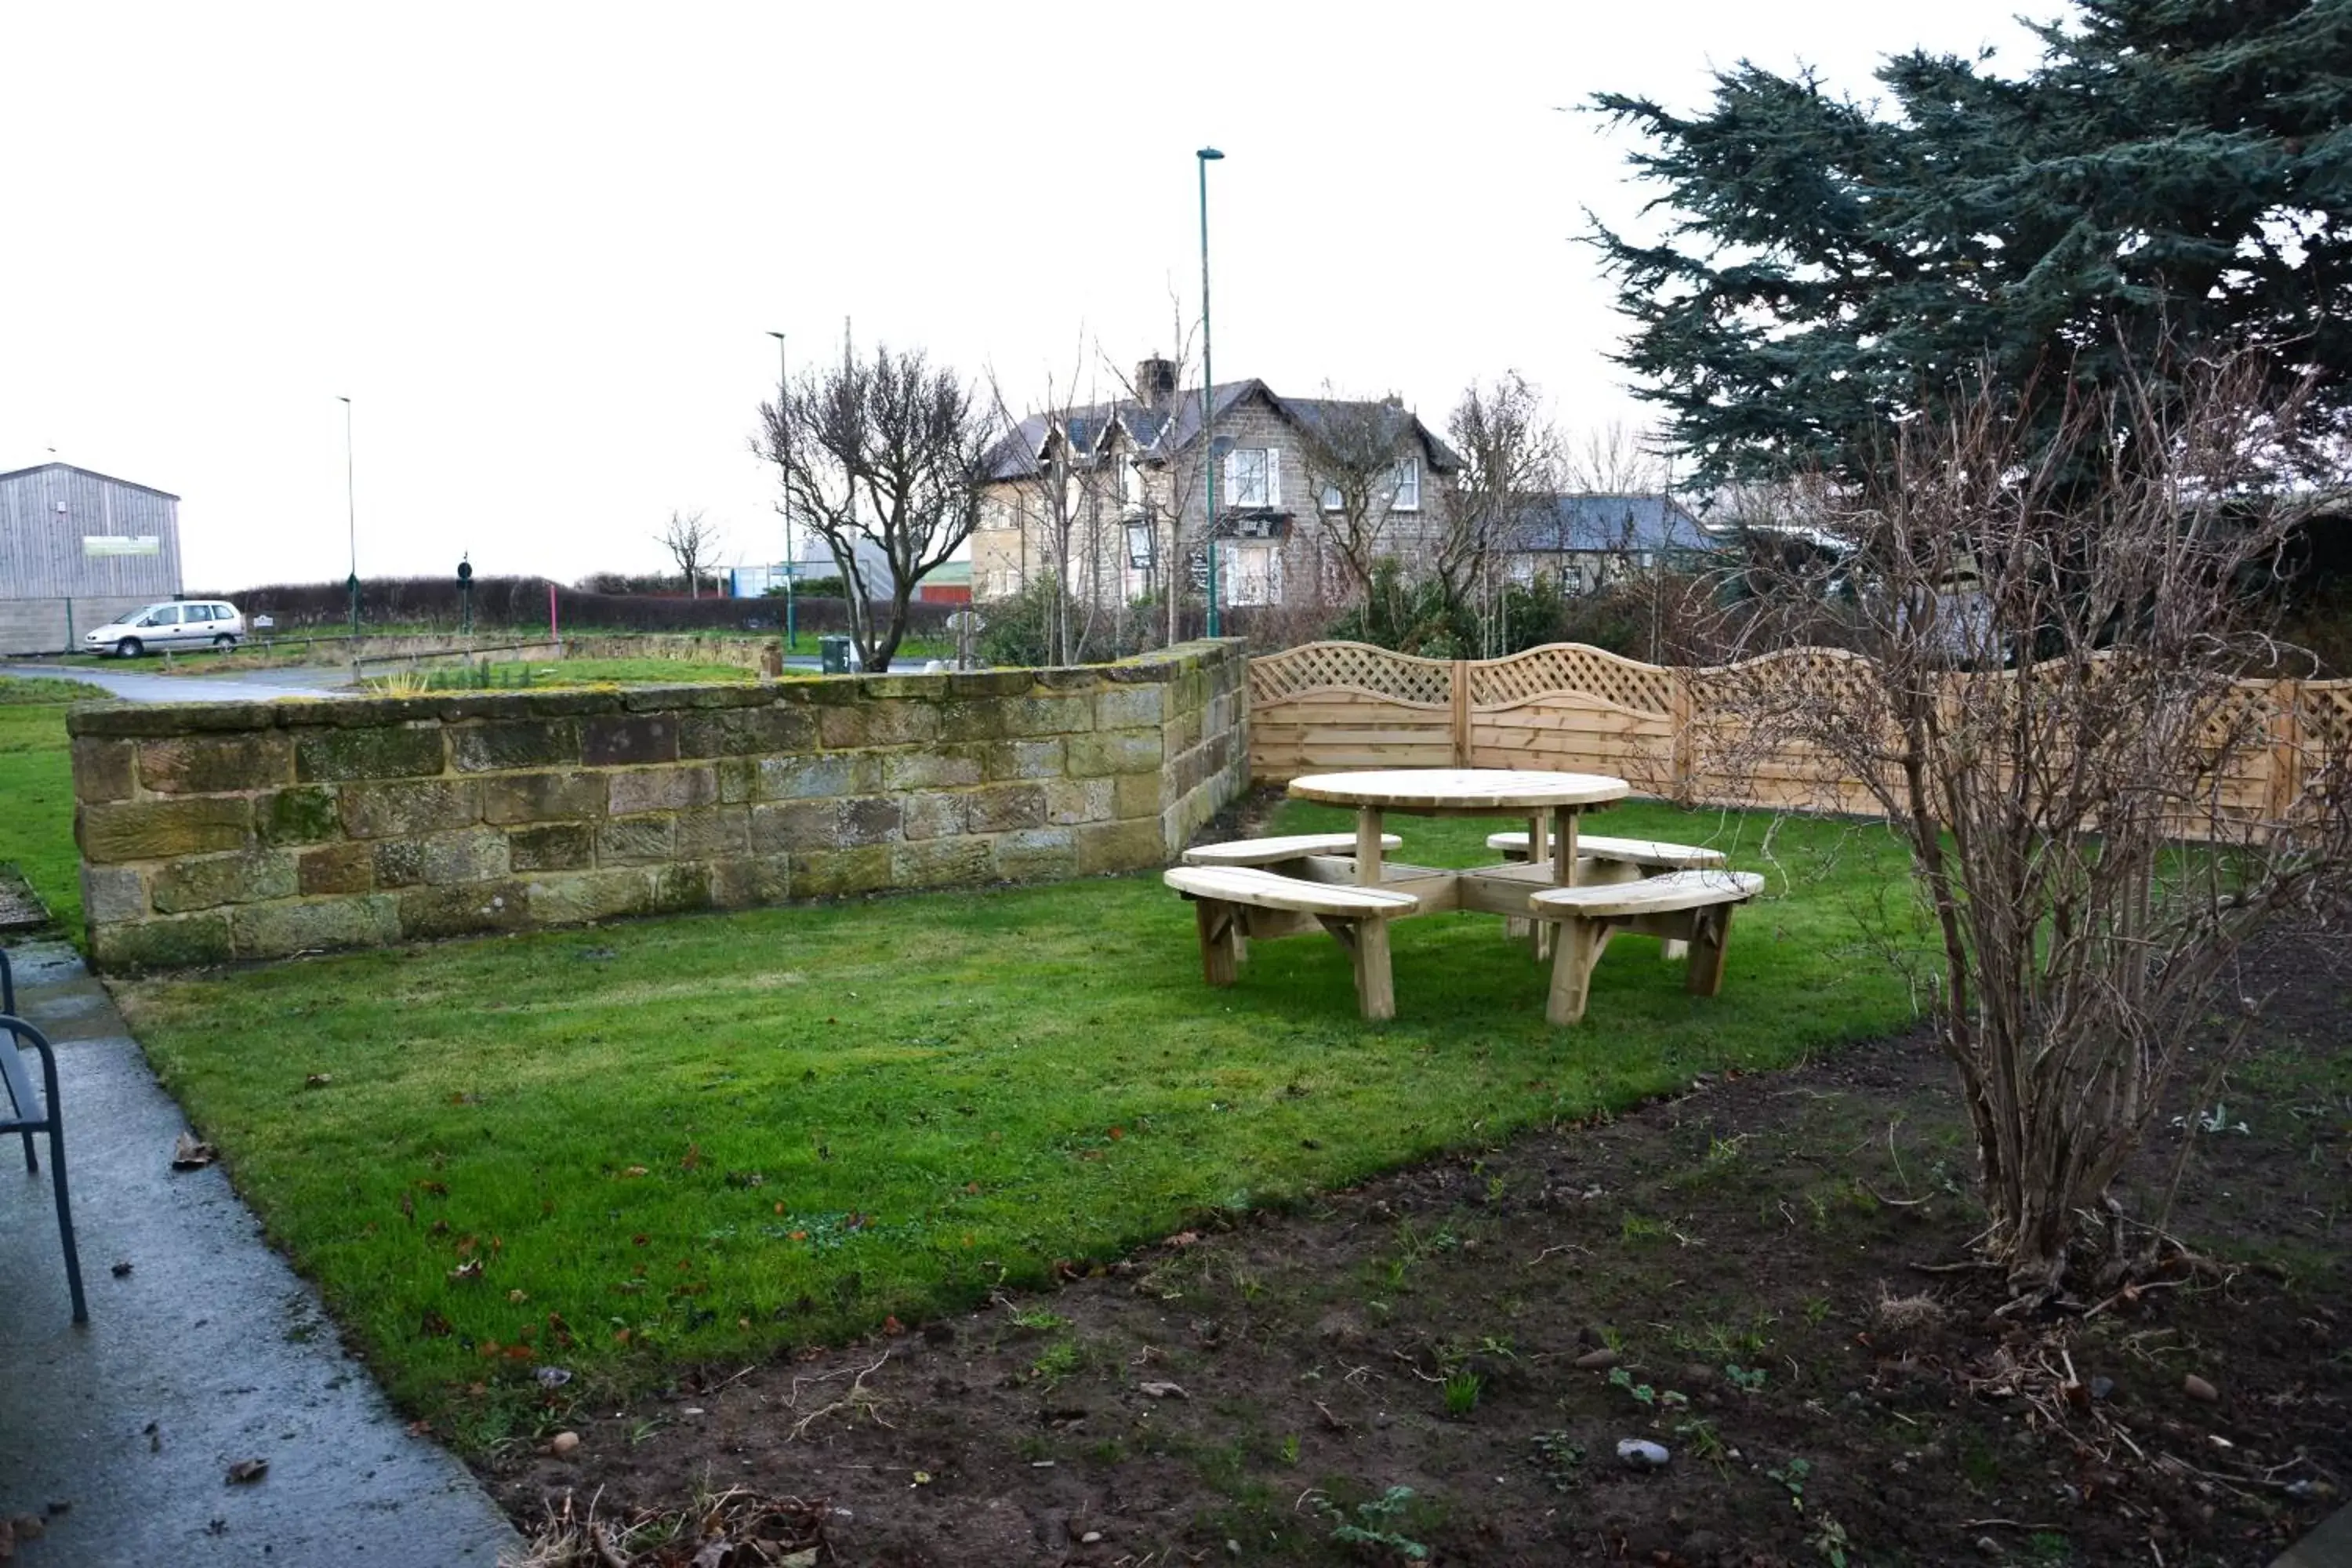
{"x":350,"y":505}
{"x":1204,"y":157}
{"x":791,"y":557}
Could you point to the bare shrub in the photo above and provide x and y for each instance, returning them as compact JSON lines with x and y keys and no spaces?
{"x":2042,"y":685}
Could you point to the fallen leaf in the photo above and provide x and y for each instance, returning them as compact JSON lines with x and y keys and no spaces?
{"x":892,"y":1326}
{"x":634,"y":1171}
{"x":1183,"y":1239}
{"x":1162,"y":1391}
{"x":191,"y":1153}
{"x":317,"y":1080}
{"x":518,"y":1296}
{"x":245,"y":1471}
{"x":470,"y":1269}
{"x":122,"y":1270}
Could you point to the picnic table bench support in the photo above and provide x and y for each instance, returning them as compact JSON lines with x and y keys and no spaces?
{"x":1222,"y":943}
{"x":1367,"y":942}
{"x":1692,"y":907}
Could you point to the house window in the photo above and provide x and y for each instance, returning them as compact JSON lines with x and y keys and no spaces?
{"x":1254,"y":476}
{"x":1408,"y":485}
{"x":1332,"y":501}
{"x":1249,"y":572}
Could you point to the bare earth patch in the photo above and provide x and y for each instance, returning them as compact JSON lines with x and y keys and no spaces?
{"x":1447,"y":1359}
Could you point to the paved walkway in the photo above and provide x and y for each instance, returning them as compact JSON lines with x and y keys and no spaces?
{"x":142,"y":681}
{"x":206,"y":1351}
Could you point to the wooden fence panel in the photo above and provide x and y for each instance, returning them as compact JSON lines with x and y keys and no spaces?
{"x":1326,"y":707}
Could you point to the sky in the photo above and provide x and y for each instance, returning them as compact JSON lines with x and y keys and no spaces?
{"x":540,"y":248}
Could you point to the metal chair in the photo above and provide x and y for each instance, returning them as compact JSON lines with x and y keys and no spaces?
{"x":28,"y":1116}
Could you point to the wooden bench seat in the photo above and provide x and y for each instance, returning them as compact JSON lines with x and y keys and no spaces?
{"x":1650,"y":854}
{"x":1223,"y":897}
{"x":1693,"y":906}
{"x":1276,"y":851}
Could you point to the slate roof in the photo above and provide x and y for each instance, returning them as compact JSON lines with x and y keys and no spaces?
{"x":1562,"y":524}
{"x":1164,"y":433}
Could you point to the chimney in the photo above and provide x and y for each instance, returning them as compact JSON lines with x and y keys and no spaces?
{"x":1155,"y":384}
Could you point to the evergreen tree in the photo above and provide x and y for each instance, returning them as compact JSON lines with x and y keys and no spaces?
{"x":2171,"y":176}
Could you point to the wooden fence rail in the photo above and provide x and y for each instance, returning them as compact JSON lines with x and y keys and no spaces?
{"x":1332,"y":706}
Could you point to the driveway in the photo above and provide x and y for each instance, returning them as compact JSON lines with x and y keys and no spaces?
{"x":141,"y":680}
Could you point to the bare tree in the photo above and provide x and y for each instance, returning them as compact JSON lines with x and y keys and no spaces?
{"x":1510,"y":456}
{"x":884,"y":459}
{"x":2044,"y":692}
{"x":1616,"y":459}
{"x":693,"y":542}
{"x":1071,"y":487}
{"x":1172,"y":475}
{"x":1349,"y":449}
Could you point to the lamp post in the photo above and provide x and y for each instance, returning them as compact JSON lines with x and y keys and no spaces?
{"x":1203,"y":158}
{"x":351,"y":509}
{"x":791,"y":556}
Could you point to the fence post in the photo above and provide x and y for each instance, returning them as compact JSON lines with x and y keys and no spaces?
{"x":1458,"y":695}
{"x":2286,"y":748}
{"x":1679,"y":698}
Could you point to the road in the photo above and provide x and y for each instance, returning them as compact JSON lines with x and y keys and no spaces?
{"x":142,"y":681}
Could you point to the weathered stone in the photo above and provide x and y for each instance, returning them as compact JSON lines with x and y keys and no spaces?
{"x":800,"y":778}
{"x":894,"y":722}
{"x":390,"y":810}
{"x":472,"y":855}
{"x":544,"y":797}
{"x":1138,"y":795}
{"x":502,"y":745}
{"x":1026,"y":760}
{"x":839,"y":873}
{"x":1001,"y":808}
{"x":1129,"y":706}
{"x":138,"y":720}
{"x":1078,"y":800}
{"x":663,"y":789}
{"x":1058,"y":714}
{"x":637,"y":841}
{"x":824,"y":824}
{"x":429,"y":912}
{"x":710,"y":832}
{"x":1110,"y":752}
{"x":929,"y":769}
{"x":308,"y":925}
{"x":557,"y":847}
{"x":738,"y":779}
{"x":398,"y":862}
{"x":160,"y":829}
{"x":181,"y":944}
{"x":210,"y":764}
{"x":679,"y":889}
{"x":568,"y":898}
{"x":1036,"y":855}
{"x":1120,"y":847}
{"x":336,"y":756}
{"x":983,"y":685}
{"x":931,"y":815}
{"x":206,"y":882}
{"x":968,"y":720}
{"x":102,"y":769}
{"x":746,"y":732}
{"x":305,"y":815}
{"x":338,"y":869}
{"x":622,"y":739}
{"x":942,"y":863}
{"x":110,"y":894}
{"x":748,"y":882}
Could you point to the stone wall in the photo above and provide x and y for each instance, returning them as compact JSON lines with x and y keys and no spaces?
{"x":220,"y":831}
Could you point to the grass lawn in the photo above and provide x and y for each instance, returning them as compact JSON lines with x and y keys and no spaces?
{"x":712,"y":1137}
{"x":36,"y":789}
{"x":532,"y":675}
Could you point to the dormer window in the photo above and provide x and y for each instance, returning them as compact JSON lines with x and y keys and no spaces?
{"x":1254,"y":476}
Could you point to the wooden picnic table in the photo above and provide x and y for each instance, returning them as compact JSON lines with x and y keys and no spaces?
{"x":1546,"y":799}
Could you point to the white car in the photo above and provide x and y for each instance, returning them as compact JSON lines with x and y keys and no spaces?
{"x":184,"y":622}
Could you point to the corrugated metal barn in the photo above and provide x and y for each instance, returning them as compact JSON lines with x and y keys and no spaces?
{"x":77,"y":549}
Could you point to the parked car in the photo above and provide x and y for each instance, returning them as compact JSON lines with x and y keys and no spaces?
{"x":184,"y":622}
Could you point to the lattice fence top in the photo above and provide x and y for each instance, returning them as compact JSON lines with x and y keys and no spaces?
{"x":1352,"y":666}
{"x":1571,"y":669}
{"x":1773,"y":679}
{"x":2326,"y":714}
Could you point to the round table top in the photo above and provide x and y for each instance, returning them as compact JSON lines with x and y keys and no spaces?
{"x":1461,"y":789}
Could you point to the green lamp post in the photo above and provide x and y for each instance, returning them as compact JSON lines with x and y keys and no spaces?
{"x":1204,"y":157}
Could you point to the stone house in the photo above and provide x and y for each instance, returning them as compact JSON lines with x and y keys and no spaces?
{"x":1587,"y":541}
{"x":1297,"y":480}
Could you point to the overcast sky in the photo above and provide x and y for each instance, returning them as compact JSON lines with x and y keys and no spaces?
{"x":541,"y":248}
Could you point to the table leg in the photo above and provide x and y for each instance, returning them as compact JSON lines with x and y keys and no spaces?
{"x":1367,"y":846}
{"x":1563,"y":847}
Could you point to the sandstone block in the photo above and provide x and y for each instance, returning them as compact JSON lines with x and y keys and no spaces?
{"x":1129,"y":706}
{"x":1036,"y":855}
{"x":556,"y":847}
{"x":470,"y":855}
{"x":678,"y":889}
{"x":395,"y":810}
{"x":637,"y":841}
{"x":333,"y":756}
{"x":1001,"y":808}
{"x":799,"y":778}
{"x":1026,"y":760}
{"x":208,"y":764}
{"x":710,"y":832}
{"x":932,"y":815}
{"x":1078,"y":800}
{"x":898,"y":721}
{"x":304,"y":815}
{"x":337,"y":869}
{"x":429,"y":912}
{"x":749,"y":881}
{"x":929,"y":769}
{"x":397,"y":862}
{"x":786,"y":825}
{"x":1139,"y":795}
{"x":1120,"y":847}
{"x":181,"y":944}
{"x":162,"y":829}
{"x":841,"y":873}
{"x":738,"y":779}
{"x":111,"y":894}
{"x":1110,"y":752}
{"x":544,"y":797}
{"x":206,"y":882}
{"x":103,"y":769}
{"x":745,"y":732}
{"x":1054,"y":713}
{"x":305,"y":925}
{"x":626,"y":738}
{"x":942,"y":863}
{"x":635,"y":790}
{"x":502,"y":745}
{"x":569,"y":898}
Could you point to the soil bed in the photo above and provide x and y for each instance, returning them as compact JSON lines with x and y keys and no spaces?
{"x":1729,"y":1274}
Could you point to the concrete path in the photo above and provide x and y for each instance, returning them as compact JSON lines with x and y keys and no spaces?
{"x":141,"y":680}
{"x":206,"y":1351}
